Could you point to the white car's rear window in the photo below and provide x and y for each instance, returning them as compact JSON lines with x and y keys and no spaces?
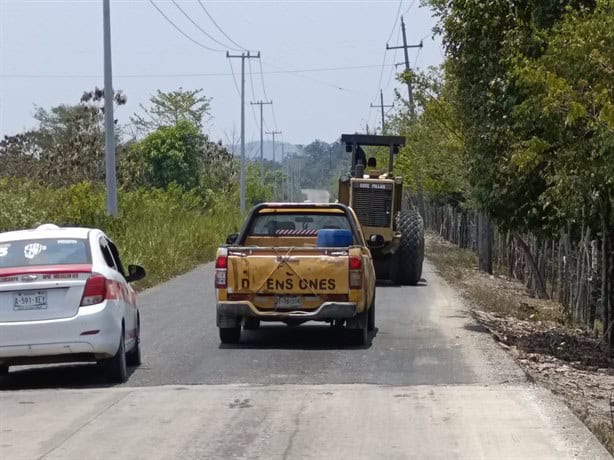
{"x":44,"y":251}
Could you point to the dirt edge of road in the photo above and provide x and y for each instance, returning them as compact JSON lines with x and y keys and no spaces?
{"x":551,"y":351}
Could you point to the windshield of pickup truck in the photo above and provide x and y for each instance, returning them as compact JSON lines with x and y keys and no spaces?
{"x":296,"y":224}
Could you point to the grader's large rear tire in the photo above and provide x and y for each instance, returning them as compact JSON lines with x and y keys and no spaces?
{"x":411,"y":248}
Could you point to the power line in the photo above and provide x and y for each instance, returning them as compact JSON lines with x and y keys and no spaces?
{"x":394,"y":59}
{"x":261,"y":103}
{"x":299,"y":74}
{"x":251,"y":79}
{"x":409,"y":8}
{"x":417,"y":56}
{"x":265,"y":94}
{"x":426,"y":36}
{"x":218,"y":27}
{"x":396,"y":19}
{"x":210,"y":74}
{"x":381,"y":74}
{"x":262,"y":80}
{"x":199,"y":27}
{"x":181,"y":31}
{"x":234,"y":78}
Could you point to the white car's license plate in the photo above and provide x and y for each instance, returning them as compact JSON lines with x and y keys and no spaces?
{"x":30,"y":300}
{"x":288,"y":301}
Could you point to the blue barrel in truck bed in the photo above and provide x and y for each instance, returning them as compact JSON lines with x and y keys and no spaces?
{"x":334,"y":238}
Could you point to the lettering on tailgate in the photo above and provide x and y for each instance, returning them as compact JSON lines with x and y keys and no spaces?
{"x":321,"y":284}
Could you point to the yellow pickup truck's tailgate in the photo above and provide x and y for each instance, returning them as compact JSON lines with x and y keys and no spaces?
{"x":303,"y":272}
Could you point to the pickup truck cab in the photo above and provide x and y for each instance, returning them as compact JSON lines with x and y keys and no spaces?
{"x":296,"y":262}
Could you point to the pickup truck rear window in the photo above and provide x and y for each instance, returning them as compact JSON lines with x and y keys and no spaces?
{"x":47,"y":251}
{"x":295,"y":224}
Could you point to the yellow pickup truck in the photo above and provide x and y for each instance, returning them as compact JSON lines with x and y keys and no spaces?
{"x":296,"y":262}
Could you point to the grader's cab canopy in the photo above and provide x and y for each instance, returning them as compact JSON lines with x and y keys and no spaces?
{"x":355,"y":142}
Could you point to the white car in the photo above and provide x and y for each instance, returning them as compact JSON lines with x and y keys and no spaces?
{"x":64,"y":297}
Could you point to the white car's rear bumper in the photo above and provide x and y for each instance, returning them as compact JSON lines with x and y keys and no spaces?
{"x":76,"y":335}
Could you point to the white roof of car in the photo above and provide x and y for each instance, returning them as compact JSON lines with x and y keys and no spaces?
{"x":46,"y":231}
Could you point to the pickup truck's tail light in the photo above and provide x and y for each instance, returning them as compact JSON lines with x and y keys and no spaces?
{"x":355,"y":265}
{"x":95,"y":290}
{"x":221,"y":270}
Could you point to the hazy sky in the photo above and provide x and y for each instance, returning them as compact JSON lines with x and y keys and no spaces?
{"x":51,"y":51}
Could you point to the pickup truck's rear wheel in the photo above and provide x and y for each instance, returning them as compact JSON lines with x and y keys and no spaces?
{"x":371,"y":319}
{"x":251,"y":324}
{"x":361,"y":335}
{"x":230,"y":334}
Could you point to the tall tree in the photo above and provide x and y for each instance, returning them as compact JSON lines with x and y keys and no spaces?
{"x":170,"y":154}
{"x":66,"y":147}
{"x":169,"y":108}
{"x":483,"y":40}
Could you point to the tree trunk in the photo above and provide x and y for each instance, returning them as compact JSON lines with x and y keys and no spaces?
{"x":485,"y":237}
{"x":540,"y":289}
{"x":605,"y":265}
{"x":594,"y":298}
{"x":582,"y":263}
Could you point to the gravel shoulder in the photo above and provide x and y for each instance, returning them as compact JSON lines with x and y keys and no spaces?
{"x":553,"y":353}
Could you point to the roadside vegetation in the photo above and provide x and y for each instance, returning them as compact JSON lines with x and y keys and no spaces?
{"x":178,"y":191}
{"x":168,"y":231}
{"x":510,"y":157}
{"x":514,"y":137}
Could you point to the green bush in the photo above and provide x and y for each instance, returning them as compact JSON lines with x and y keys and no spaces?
{"x":167,"y":231}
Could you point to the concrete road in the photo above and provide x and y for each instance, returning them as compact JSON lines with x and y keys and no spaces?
{"x":316,"y":195}
{"x":431,"y":384}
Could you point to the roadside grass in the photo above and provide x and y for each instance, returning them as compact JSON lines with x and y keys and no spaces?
{"x":451,"y":262}
{"x":169,"y":240}
{"x":167,"y":231}
{"x":544,"y":342}
{"x":493,"y":293}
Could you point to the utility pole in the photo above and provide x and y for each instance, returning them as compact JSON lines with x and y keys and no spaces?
{"x":261,"y":103}
{"x":275,"y":181}
{"x":381,"y":105}
{"x":273,"y":133}
{"x":405,"y":47}
{"x":109,"y":133}
{"x":412,"y":105}
{"x":243,"y":56}
{"x":283,"y":169}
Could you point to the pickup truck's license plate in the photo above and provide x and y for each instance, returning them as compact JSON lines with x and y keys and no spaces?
{"x":288,"y":301}
{"x":30,"y":300}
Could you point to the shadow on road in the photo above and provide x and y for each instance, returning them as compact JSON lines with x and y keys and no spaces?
{"x":82,"y":375}
{"x":390,"y":284}
{"x":476,"y":328}
{"x":299,"y":338}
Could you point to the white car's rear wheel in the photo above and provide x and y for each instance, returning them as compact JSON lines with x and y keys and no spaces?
{"x":115,"y":367}
{"x":133,"y":357}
